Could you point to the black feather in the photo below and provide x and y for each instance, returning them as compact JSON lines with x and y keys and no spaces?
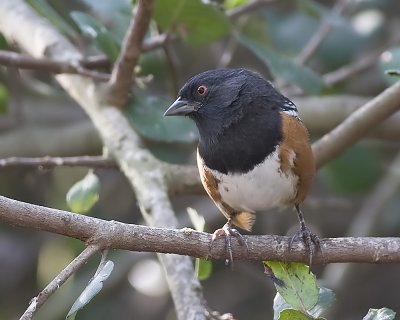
{"x":238,"y":119}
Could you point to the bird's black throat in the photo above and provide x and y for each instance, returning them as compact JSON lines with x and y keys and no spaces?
{"x":244,"y":143}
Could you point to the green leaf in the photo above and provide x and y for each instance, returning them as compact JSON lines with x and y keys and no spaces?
{"x":3,"y":99}
{"x":390,"y":59}
{"x":325,"y":299}
{"x":296,"y":285}
{"x":92,"y":289}
{"x":231,"y":4}
{"x":146,"y":116}
{"x":43,"y":8}
{"x":346,"y":173}
{"x":290,"y":314}
{"x":93,"y":29}
{"x":203,"y":269}
{"x":3,"y":43}
{"x":284,"y":68}
{"x":380,"y":314}
{"x":195,"y":21}
{"x":84,"y":194}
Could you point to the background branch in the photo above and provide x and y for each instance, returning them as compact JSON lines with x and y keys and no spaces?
{"x":59,"y":280}
{"x":356,"y":125}
{"x":76,"y":138}
{"x":50,"y":162}
{"x":367,"y":218}
{"x":144,"y":172}
{"x":123,"y":73}
{"x":23,"y":61}
{"x":102,"y":61}
{"x":318,"y":37}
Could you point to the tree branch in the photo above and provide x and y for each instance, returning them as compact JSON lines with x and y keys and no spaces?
{"x":122,"y":76}
{"x":315,"y":41}
{"x":76,"y":138}
{"x":247,"y":8}
{"x":59,"y":280}
{"x":23,"y":61}
{"x":182,"y":179}
{"x":102,"y":61}
{"x":50,"y":162}
{"x":144,"y":172}
{"x":357,"y":125}
{"x":351,"y":69}
{"x":117,"y":235}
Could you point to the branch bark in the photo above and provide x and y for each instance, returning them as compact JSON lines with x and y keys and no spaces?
{"x":145,"y":173}
{"x":117,"y":235}
{"x":22,"y":61}
{"x":123,"y":74}
{"x":50,"y":162}
{"x":357,"y":125}
{"x":59,"y":280}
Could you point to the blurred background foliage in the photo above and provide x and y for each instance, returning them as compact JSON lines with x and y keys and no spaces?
{"x":38,"y":119}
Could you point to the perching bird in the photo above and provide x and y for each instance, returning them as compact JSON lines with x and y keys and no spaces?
{"x":253,"y":153}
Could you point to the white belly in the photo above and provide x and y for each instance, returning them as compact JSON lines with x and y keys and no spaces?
{"x":262,"y":188}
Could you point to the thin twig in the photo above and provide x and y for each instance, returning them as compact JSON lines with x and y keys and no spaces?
{"x":59,"y":280}
{"x":359,"y":65}
{"x":351,"y":69}
{"x":23,"y":61}
{"x":317,"y":38}
{"x":123,"y":75}
{"x":247,"y":8}
{"x":50,"y":162}
{"x":102,"y":61}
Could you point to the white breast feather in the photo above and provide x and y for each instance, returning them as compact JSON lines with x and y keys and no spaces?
{"x":262,"y":188}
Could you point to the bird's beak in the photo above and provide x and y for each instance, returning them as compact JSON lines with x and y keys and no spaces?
{"x":180,"y":107}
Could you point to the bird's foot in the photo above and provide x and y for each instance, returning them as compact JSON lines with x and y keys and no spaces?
{"x":228,"y":232}
{"x":309,"y":239}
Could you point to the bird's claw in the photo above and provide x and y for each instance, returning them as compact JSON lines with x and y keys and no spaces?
{"x":228,"y":232}
{"x":309,"y":239}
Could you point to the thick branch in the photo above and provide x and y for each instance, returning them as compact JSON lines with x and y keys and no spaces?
{"x":123,"y":74}
{"x":183,"y":179}
{"x":144,"y":172}
{"x":117,"y":235}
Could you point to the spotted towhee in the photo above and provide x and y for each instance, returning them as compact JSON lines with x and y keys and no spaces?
{"x":253,"y":153}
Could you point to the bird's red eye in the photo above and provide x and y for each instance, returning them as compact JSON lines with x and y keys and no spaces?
{"x":202,"y":90}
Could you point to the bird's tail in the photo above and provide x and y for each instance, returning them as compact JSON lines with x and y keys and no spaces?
{"x":244,"y":220}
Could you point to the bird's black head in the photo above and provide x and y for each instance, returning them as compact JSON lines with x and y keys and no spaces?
{"x":215,"y":99}
{"x":234,"y":110}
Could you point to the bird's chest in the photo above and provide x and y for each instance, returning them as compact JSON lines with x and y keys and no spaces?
{"x":265,"y":186}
